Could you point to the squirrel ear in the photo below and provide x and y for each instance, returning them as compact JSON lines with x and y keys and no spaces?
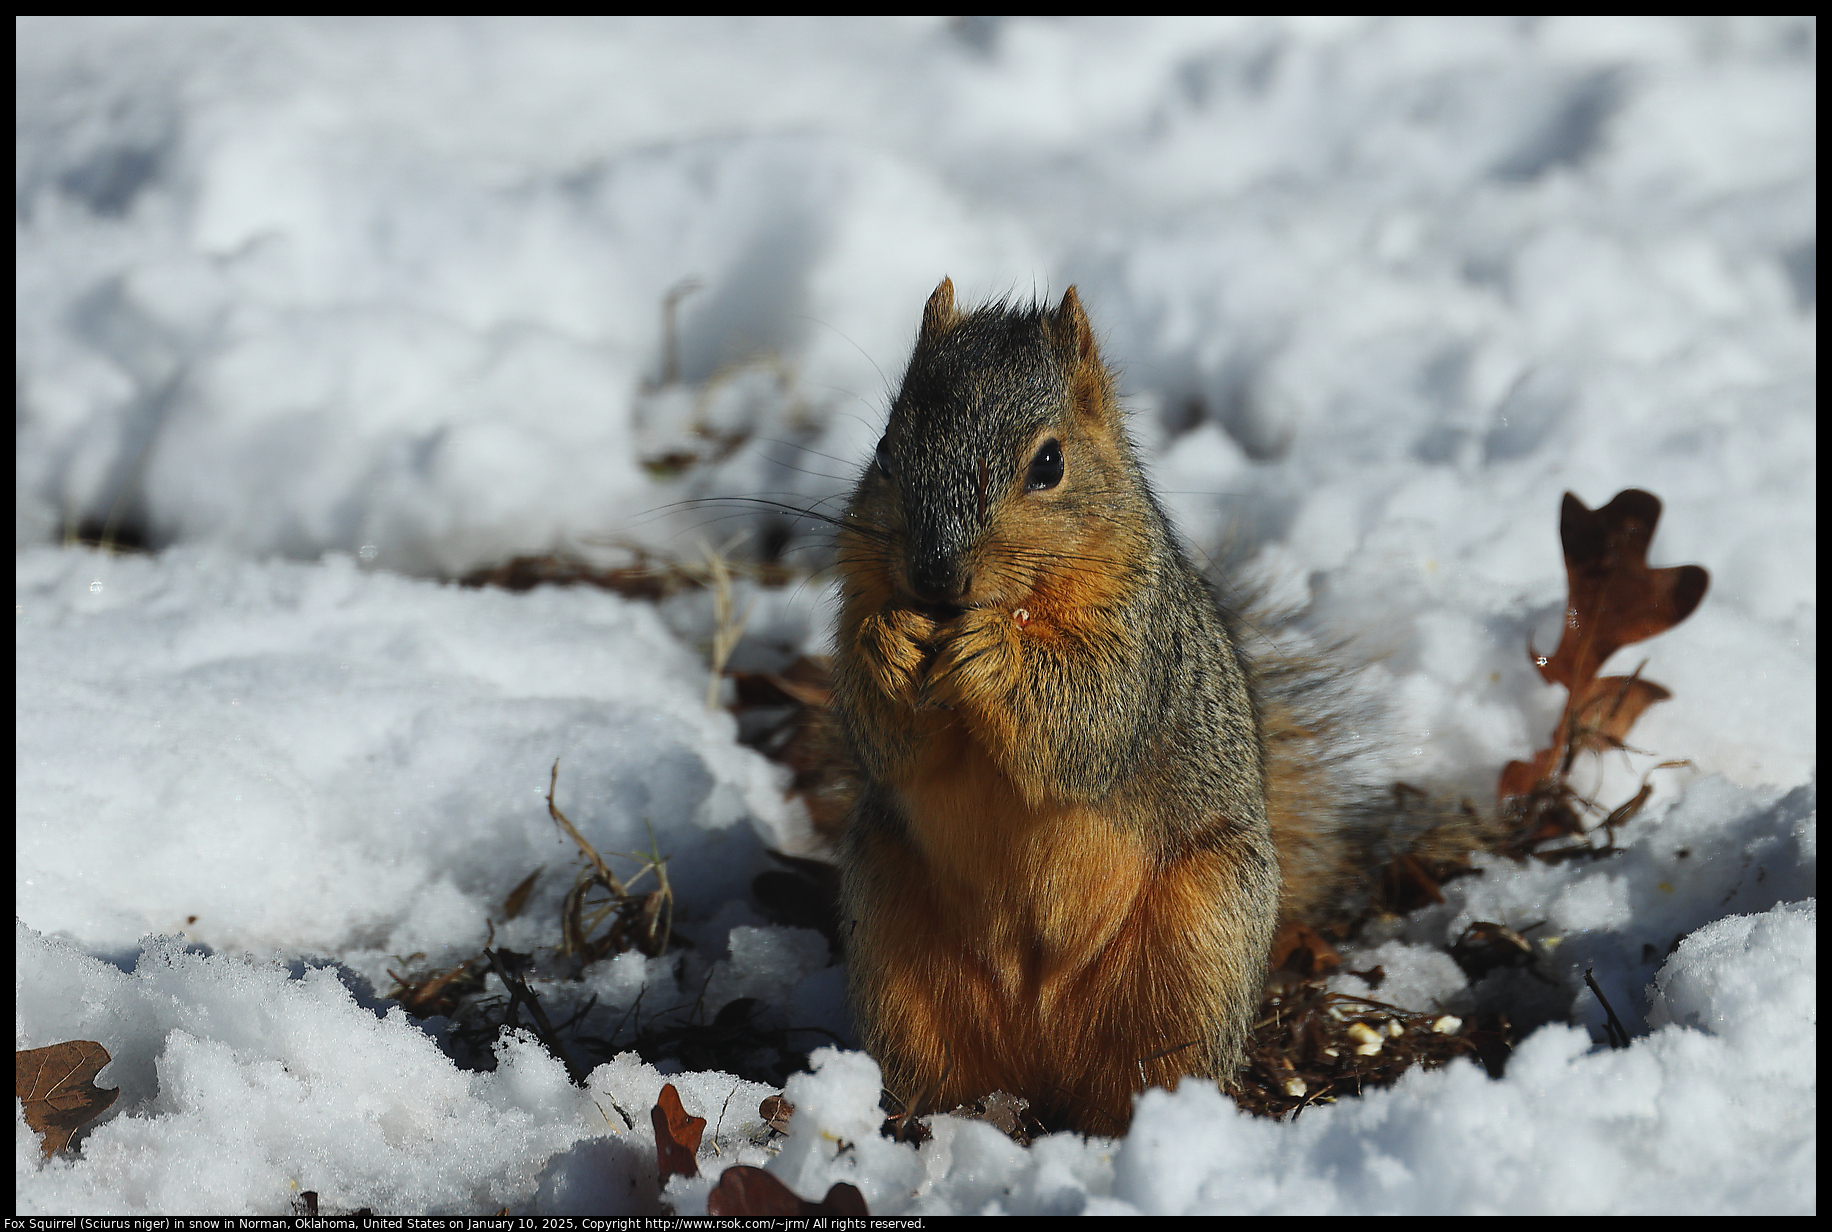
{"x":1090,"y":384}
{"x":1071,"y":330}
{"x":939,"y":315}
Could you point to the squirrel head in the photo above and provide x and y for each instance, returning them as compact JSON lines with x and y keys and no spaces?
{"x":1004,"y":472}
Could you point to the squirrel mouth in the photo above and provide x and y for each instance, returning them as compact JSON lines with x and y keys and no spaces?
{"x":940,"y":613}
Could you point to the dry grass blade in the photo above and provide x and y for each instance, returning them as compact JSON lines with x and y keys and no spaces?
{"x":1612,"y":1026}
{"x":671,"y":303}
{"x":655,"y":918}
{"x":575,"y":934}
{"x":437,"y":993}
{"x":727,"y":628}
{"x":652,"y":914}
{"x":590,"y":853}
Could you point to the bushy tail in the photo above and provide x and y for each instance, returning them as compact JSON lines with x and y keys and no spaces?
{"x":1349,"y":844}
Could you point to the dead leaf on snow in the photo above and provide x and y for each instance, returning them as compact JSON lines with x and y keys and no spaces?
{"x":747,"y":1191}
{"x":1614,"y":598}
{"x":54,"y":1085}
{"x":677,"y":1135}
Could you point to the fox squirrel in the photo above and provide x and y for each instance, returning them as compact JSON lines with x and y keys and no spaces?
{"x":1081,"y":810}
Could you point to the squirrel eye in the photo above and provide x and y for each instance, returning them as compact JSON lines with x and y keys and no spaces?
{"x":1045,"y":468}
{"x":883,"y":457}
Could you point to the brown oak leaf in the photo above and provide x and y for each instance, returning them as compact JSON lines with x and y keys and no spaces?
{"x":1614,"y":598}
{"x":747,"y":1191}
{"x":1604,"y":710}
{"x":677,"y":1135}
{"x":54,"y":1085}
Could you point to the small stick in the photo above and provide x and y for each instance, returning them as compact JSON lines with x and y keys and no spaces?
{"x":1612,"y":1028}
{"x":520,"y":993}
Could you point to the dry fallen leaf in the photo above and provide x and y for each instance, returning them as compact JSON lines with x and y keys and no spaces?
{"x":54,"y":1085}
{"x":677,"y":1135}
{"x":1614,"y":599}
{"x":1485,"y":946}
{"x":518,"y":897}
{"x":1300,"y":949}
{"x":808,"y":740}
{"x":808,"y":680}
{"x":747,"y":1191}
{"x":1603,"y":711}
{"x":438,"y":993}
{"x":776,"y":1112}
{"x":1407,"y":884}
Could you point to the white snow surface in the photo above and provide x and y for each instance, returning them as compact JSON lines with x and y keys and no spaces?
{"x":330,"y":311}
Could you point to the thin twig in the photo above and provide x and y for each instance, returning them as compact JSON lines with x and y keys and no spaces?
{"x":519,"y":992}
{"x":1612,"y":1028}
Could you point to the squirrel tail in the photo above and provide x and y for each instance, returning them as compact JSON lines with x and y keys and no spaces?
{"x":1349,"y":845}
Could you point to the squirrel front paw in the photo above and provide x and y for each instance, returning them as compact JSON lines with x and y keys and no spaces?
{"x":978,"y":660}
{"x":893,"y":645}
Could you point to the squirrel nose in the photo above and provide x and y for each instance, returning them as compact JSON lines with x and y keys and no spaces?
{"x":936,"y":580}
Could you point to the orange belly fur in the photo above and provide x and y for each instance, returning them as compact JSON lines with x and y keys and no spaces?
{"x":1043,"y":950}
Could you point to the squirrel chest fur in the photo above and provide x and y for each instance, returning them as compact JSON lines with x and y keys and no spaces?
{"x":1058,"y":879}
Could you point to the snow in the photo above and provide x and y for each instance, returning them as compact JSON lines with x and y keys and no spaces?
{"x":331,"y":311}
